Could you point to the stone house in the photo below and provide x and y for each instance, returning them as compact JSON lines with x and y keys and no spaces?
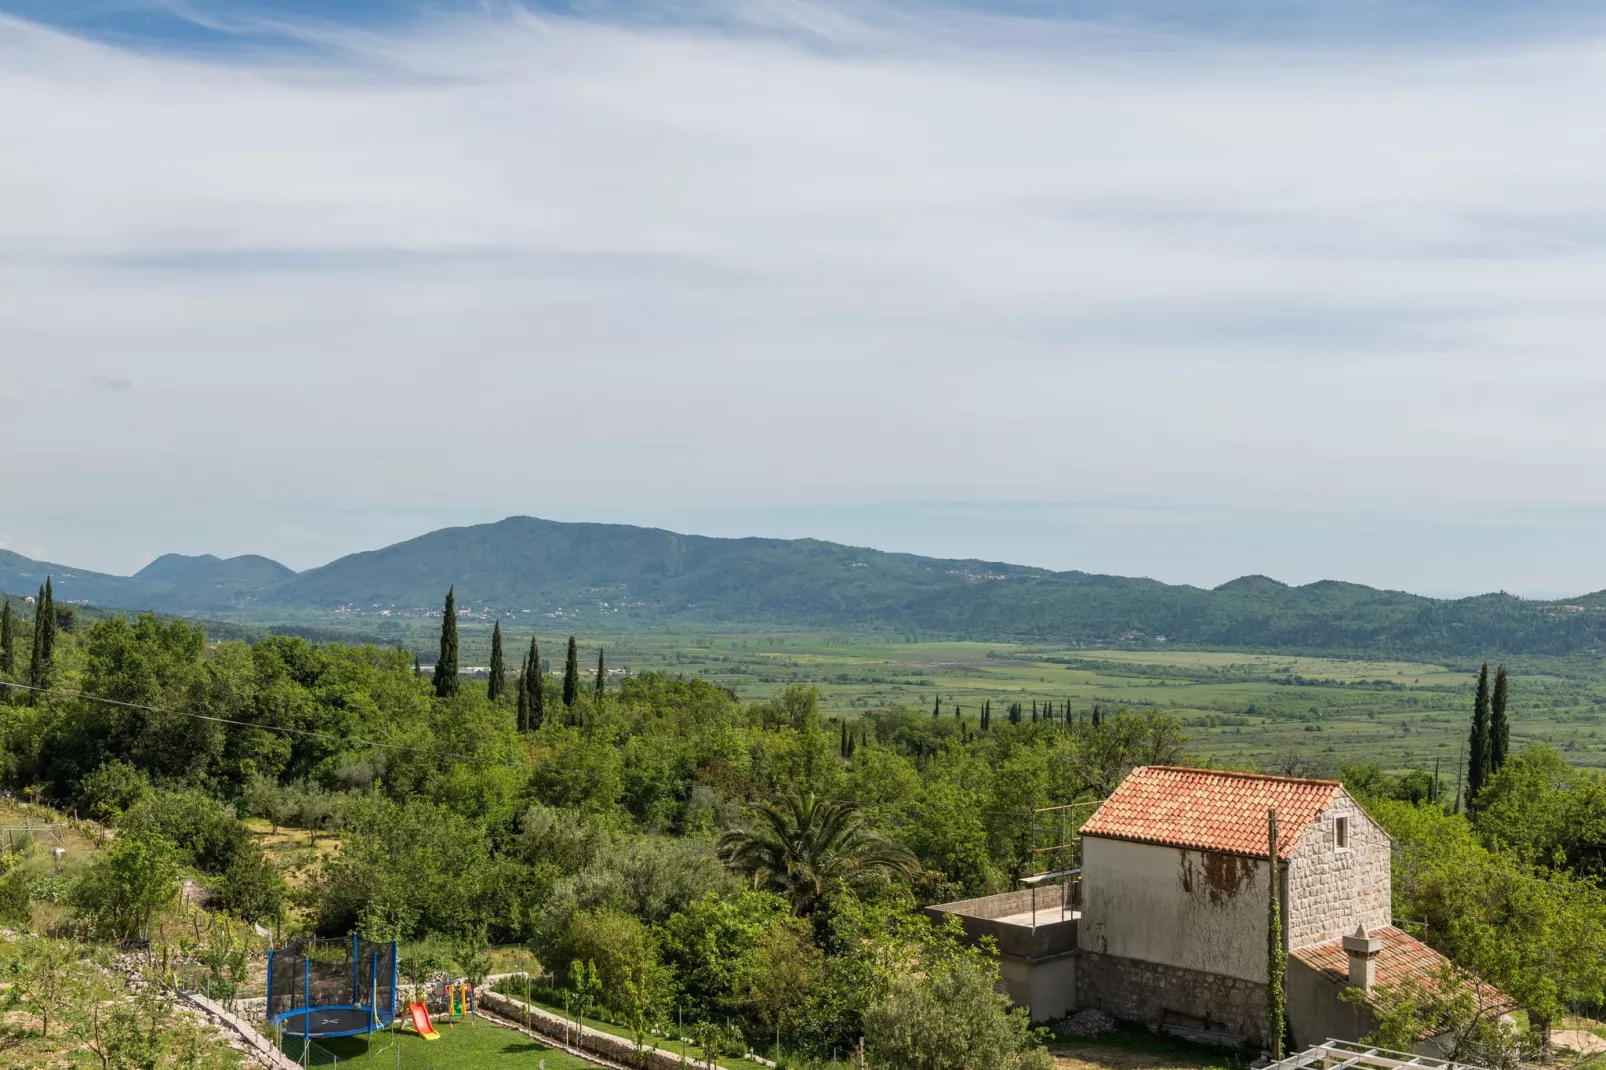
{"x":1167,"y":922}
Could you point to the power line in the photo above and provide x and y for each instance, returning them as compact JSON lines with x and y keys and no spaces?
{"x":311,"y":733}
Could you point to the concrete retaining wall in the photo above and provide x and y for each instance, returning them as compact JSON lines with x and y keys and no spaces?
{"x":586,"y":1042}
{"x":1007,"y":918}
{"x":261,"y":1047}
{"x":1316,"y":1011}
{"x":1045,"y":987}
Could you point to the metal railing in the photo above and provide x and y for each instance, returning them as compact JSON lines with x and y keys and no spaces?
{"x":1347,"y":1055}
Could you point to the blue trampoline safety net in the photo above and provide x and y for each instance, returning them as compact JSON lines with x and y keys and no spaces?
{"x":332,"y":990}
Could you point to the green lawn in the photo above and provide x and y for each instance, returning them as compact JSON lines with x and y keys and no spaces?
{"x":462,"y":1046}
{"x":692,"y":1051}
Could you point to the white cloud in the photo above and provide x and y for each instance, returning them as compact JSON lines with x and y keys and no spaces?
{"x":520,"y":263}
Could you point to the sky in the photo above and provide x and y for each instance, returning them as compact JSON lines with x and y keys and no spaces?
{"x":1184,"y":290}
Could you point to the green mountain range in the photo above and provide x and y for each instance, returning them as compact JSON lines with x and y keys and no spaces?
{"x":610,"y":576}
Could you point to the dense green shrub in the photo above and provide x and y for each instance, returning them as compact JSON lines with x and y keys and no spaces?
{"x":16,"y":892}
{"x":127,"y":884}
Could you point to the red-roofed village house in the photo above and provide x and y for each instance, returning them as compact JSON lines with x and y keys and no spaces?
{"x":1167,"y":921}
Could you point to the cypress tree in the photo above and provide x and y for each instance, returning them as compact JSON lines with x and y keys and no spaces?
{"x":44,"y":636}
{"x":1098,"y":718}
{"x":446,"y":663}
{"x":8,"y":641}
{"x":34,"y":647}
{"x":957,"y":712}
{"x":842,"y":745}
{"x":1478,"y":740}
{"x":521,"y":693}
{"x":418,"y":670}
{"x":498,"y":682}
{"x":602,"y":676}
{"x":534,"y":683}
{"x":47,"y":629}
{"x":936,"y":706}
{"x":571,"y":674}
{"x":1499,"y":724}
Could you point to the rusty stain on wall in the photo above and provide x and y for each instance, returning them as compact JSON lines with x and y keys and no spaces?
{"x":1222,"y":875}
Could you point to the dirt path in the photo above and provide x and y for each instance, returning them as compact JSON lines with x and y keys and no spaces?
{"x":1585,"y":1043}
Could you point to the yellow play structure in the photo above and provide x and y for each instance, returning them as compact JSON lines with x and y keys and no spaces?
{"x":457,"y":1006}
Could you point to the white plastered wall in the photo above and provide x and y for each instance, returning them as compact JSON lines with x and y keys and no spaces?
{"x":1194,"y":909}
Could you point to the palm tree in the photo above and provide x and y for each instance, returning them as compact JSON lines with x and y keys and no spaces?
{"x":804,"y":847}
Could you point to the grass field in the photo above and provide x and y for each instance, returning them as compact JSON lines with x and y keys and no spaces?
{"x":462,"y":1046}
{"x":1243,"y":708}
{"x":297,"y":852}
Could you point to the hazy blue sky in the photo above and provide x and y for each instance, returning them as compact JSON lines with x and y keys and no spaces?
{"x":1176,"y":289}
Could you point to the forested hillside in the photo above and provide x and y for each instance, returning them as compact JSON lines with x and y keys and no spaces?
{"x":612,"y":577}
{"x":664,"y":850}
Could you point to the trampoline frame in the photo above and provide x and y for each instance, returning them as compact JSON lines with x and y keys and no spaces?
{"x":377,"y":1017}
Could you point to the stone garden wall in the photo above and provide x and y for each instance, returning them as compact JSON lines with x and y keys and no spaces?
{"x":1139,"y":991}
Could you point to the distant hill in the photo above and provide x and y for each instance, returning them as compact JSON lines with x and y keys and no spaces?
{"x":172,"y":583}
{"x":606,"y":576}
{"x":22,"y":575}
{"x":248,"y":572}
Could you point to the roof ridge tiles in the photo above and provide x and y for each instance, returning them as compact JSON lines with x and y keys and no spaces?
{"x":1243,"y":775}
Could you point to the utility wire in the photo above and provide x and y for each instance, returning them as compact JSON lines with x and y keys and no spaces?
{"x":311,"y":733}
{"x":307,"y":732}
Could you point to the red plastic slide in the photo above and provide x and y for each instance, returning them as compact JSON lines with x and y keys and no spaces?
{"x":421,"y":1022}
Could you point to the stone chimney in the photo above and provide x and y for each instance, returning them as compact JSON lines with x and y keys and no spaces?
{"x":1362,"y":951}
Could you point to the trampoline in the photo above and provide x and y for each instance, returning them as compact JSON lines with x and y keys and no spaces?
{"x":340,"y":991}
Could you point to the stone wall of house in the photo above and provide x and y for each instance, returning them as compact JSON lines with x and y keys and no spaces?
{"x":1331,"y":891}
{"x":1139,"y":991}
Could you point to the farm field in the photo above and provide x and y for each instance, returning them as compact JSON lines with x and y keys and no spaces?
{"x":1239,"y":708}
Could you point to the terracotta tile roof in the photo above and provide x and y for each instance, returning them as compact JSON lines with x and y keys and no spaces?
{"x":1403,"y":958}
{"x":1209,"y":810}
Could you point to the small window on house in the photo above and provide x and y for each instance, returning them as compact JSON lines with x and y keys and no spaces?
{"x":1341,"y":833}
